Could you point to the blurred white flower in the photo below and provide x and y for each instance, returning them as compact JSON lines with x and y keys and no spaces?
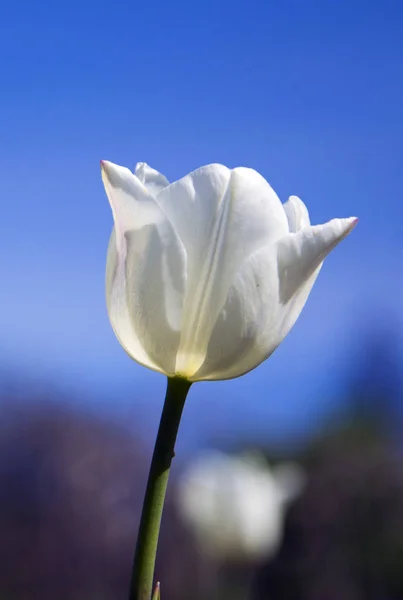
{"x":207,"y":275}
{"x":236,"y":505}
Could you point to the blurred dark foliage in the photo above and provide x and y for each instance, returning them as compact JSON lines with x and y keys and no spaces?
{"x":343,"y":537}
{"x":71,"y":490}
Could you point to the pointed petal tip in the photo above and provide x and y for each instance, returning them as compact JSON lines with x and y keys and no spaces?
{"x":351,"y":223}
{"x":343,"y":227}
{"x":103,"y":164}
{"x":111,"y":171}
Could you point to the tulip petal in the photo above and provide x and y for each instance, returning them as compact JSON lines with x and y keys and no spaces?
{"x":297,"y":214}
{"x":300,"y":258}
{"x":152,"y":179}
{"x":245,"y":332}
{"x":266,"y":298}
{"x":146,"y":271}
{"x":221,"y":216}
{"x":301,"y":253}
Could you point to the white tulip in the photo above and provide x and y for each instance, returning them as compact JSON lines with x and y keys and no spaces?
{"x":206,"y":276}
{"x":236,"y":505}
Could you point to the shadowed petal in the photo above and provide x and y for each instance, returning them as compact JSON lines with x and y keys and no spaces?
{"x":152,"y":179}
{"x":246,"y":331}
{"x":301,"y":253}
{"x":145,"y":276}
{"x":297,"y":214}
{"x":300,"y":258}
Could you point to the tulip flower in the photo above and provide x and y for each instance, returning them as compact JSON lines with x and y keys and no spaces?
{"x":205,"y":277}
{"x":236,"y":505}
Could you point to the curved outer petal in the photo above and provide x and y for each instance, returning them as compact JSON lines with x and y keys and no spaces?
{"x":152,"y":179}
{"x":145,"y":275}
{"x":301,"y":253}
{"x":300,"y":258}
{"x":238,"y":342}
{"x":266,"y":299}
{"x":221,"y":217}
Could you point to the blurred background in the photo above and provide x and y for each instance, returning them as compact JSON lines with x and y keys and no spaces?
{"x":310,"y":95}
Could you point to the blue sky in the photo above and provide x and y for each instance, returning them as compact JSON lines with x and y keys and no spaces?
{"x":308,"y":93}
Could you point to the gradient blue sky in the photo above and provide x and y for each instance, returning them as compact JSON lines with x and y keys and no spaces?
{"x":309,"y":93}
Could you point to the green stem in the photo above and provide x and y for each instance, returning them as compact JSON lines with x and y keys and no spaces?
{"x":141,"y":586}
